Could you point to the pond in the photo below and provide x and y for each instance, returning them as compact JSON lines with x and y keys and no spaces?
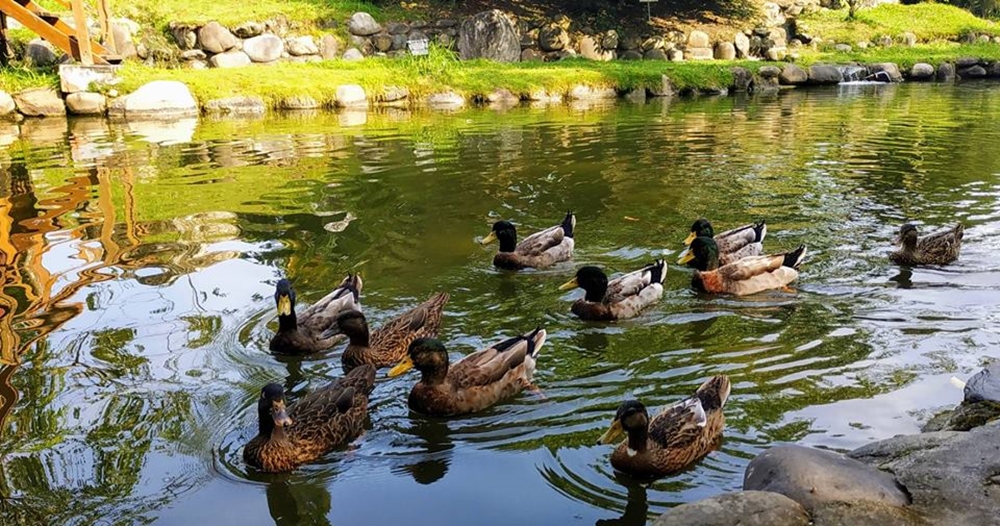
{"x":140,"y":263}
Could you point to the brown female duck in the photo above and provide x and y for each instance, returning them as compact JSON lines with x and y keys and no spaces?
{"x":387,"y":345}
{"x":539,"y":250}
{"x":317,"y":423}
{"x":473,"y":383}
{"x":674,"y":439}
{"x":745,"y":276}
{"x":621,"y":298}
{"x":735,"y":244}
{"x":309,"y":331}
{"x":938,"y":248}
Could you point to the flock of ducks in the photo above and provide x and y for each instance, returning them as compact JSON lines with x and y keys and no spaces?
{"x":731,"y":262}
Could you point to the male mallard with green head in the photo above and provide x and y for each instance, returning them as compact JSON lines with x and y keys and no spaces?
{"x":745,"y":276}
{"x":735,"y":244}
{"x":539,"y":250}
{"x":621,"y":298}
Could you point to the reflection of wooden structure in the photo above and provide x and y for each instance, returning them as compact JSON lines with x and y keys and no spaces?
{"x":74,"y":41}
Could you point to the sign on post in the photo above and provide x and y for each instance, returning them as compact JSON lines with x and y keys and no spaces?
{"x":418,"y":46}
{"x":649,"y":16}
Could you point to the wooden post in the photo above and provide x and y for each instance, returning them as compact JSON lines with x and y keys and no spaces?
{"x":104,"y":13}
{"x":4,"y":49}
{"x":82,"y":34}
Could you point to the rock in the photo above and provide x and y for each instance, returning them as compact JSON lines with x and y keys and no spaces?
{"x":393,"y":94}
{"x":984,"y":385}
{"x":236,"y":106}
{"x":675,"y":55}
{"x":922,"y":71}
{"x":609,"y":39}
{"x":746,"y":508}
{"x":774,"y":16}
{"x":994,"y":72}
{"x":975,"y":72}
{"x":592,"y":50}
{"x":196,"y":64}
{"x":397,"y":28}
{"x":124,"y":45}
{"x":552,"y":38}
{"x":362,"y":24}
{"x":655,"y":54}
{"x":352,"y":54}
{"x":636,"y":96}
{"x":966,"y":62}
{"x":541,"y":95}
{"x":39,"y":102}
{"x":884,"y":41}
{"x":812,"y":476}
{"x":248,"y":29}
{"x":742,"y":44}
{"x":74,"y":78}
{"x":298,"y":102}
{"x":350,"y":96}
{"x":490,"y":35}
{"x":584,"y":92}
{"x":776,"y":54}
{"x":39,"y":53}
{"x":654,"y":42}
{"x":382,"y":42}
{"x":946,"y":72}
{"x":84,"y":103}
{"x":769,"y":72}
{"x":725,"y":51}
{"x":531,"y":55}
{"x":699,"y":53}
{"x":445,"y":100}
{"x":742,"y":79}
{"x":698,"y":39}
{"x":160,"y":99}
{"x":300,"y":46}
{"x":629,"y":42}
{"x":230,"y":59}
{"x":264,"y":48}
{"x":502,"y":97}
{"x":304,"y":59}
{"x":824,"y":74}
{"x":630,"y":55}
{"x":864,"y":513}
{"x":7,"y":105}
{"x":446,"y":22}
{"x":889,"y":68}
{"x":184,"y":35}
{"x":908,"y":39}
{"x":193,"y":54}
{"x":215,"y":38}
{"x":842,"y":48}
{"x":329,"y":47}
{"x":665,"y":89}
{"x":399,"y":42}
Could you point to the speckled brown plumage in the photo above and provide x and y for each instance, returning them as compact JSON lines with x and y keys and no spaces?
{"x":309,"y":331}
{"x":539,"y":250}
{"x":677,"y":437}
{"x":387,"y":345}
{"x":317,"y":423}
{"x":938,"y":248}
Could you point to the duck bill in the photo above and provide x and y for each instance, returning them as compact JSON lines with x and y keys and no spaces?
{"x":405,"y":365}
{"x":491,"y":237}
{"x":571,"y":284}
{"x":284,"y":306}
{"x":690,"y":239}
{"x":281,"y":418}
{"x":614,"y":434}
{"x":686,"y":257}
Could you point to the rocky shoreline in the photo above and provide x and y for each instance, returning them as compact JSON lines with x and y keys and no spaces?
{"x":938,"y":476}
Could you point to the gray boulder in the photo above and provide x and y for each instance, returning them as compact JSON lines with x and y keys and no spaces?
{"x":124,"y":45}
{"x":745,"y":508}
{"x":84,"y":103}
{"x":264,"y":48}
{"x":350,"y":96}
{"x":298,"y":102}
{"x":725,"y":51}
{"x":889,"y":68}
{"x":864,"y":513}
{"x":824,"y":74}
{"x":908,"y":39}
{"x":353,"y":54}
{"x":552,"y":38}
{"x":40,"y":53}
{"x":699,"y":53}
{"x":975,"y":72}
{"x":966,"y":62}
{"x":984,"y":385}
{"x":922,"y":71}
{"x":40,"y":102}
{"x":655,"y":54}
{"x":533,"y":55}
{"x":362,"y":24}
{"x":792,"y":74}
{"x":591,"y":49}
{"x":215,"y":38}
{"x":193,"y":54}
{"x":393,"y":94}
{"x":300,"y":46}
{"x":229,"y":59}
{"x":236,"y":106}
{"x":742,"y":44}
{"x":445,"y":100}
{"x":675,"y":55}
{"x":699,"y":39}
{"x":382,"y":42}
{"x":843,"y":48}
{"x":946,"y":72}
{"x":812,"y":476}
{"x":7,"y":105}
{"x":329,"y":47}
{"x":490,"y":35}
{"x":160,"y":99}
{"x":630,"y":55}
{"x":584,"y":92}
{"x":248,"y":29}
{"x":183,"y":35}
{"x":769,"y":72}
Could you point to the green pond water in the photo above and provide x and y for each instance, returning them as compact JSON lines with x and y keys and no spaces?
{"x":140,"y":259}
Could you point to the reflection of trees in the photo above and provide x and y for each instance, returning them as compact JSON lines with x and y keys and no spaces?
{"x":298,"y":502}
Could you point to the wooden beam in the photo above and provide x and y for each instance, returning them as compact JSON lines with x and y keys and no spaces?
{"x":82,"y":33}
{"x":107,"y":31}
{"x":4,"y":47}
{"x":30,"y":20}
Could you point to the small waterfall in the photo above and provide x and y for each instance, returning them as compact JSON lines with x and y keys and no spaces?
{"x":852,"y":73}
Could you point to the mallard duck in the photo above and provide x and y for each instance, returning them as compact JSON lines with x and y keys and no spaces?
{"x":621,"y":298}
{"x":387,"y":345}
{"x":309,"y":428}
{"x":745,"y":276}
{"x":309,"y":331}
{"x":735,"y":244}
{"x":674,"y":439}
{"x":473,"y":383}
{"x":939,"y":248}
{"x":539,"y":250}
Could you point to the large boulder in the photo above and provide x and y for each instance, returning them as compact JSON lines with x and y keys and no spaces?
{"x":890,"y":69}
{"x":40,"y":102}
{"x":40,"y":53}
{"x":699,"y":39}
{"x":746,"y":508}
{"x":584,"y":92}
{"x":446,"y":100}
{"x":490,"y":35}
{"x":742,"y":44}
{"x":591,"y":49}
{"x":353,"y":55}
{"x":298,"y":102}
{"x":215,"y":38}
{"x":946,"y":72}
{"x":230,"y":59}
{"x":725,"y":51}
{"x":73,"y":78}
{"x":329,"y":47}
{"x":699,"y":53}
{"x":264,"y":48}
{"x":824,"y":74}
{"x":792,"y":74}
{"x":7,"y":105}
{"x":84,"y":103}
{"x":552,"y":38}
{"x":812,"y":476}
{"x":350,"y":96}
{"x":184,"y":35}
{"x":300,"y":46}
{"x":124,"y":43}
{"x":922,"y":71}
{"x":160,"y":99}
{"x":864,"y":513}
{"x":362,"y":24}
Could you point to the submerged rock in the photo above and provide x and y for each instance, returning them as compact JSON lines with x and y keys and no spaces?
{"x":236,"y":106}
{"x":746,"y":508}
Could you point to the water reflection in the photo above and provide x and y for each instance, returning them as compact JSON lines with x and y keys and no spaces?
{"x":298,"y":502}
{"x":434,"y":448}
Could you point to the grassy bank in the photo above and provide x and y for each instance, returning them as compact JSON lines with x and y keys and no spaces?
{"x":927,"y":21}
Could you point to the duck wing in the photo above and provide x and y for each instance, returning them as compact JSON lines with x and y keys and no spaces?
{"x":421,"y":321}
{"x":314,"y":414}
{"x":679,"y":425}
{"x":733,"y":240}
{"x":322,"y":315}
{"x":759,"y":273}
{"x":491,"y":365}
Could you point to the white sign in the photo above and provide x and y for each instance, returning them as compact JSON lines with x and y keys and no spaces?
{"x":418,"y":46}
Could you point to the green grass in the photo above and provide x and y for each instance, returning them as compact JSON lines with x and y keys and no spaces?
{"x":302,"y":13}
{"x":927,"y":21}
{"x":14,"y":79}
{"x":905,"y":58}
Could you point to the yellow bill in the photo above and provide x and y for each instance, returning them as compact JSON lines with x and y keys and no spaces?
{"x":686,"y":256}
{"x":690,"y":238}
{"x":405,"y":365}
{"x":614,"y":434}
{"x":491,"y":237}
{"x":571,"y":284}
{"x":284,"y":305}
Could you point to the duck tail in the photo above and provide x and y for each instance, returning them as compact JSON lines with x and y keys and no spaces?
{"x":714,"y":392}
{"x":760,"y":231}
{"x":535,"y":339}
{"x":569,"y":224}
{"x":352,"y":283}
{"x":959,"y":231}
{"x":794,"y":258}
{"x":657,"y":270}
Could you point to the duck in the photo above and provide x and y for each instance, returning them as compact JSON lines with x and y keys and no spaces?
{"x":680,"y":435}
{"x":735,"y":244}
{"x":289,"y":436}
{"x":539,"y":250}
{"x":389,"y":343}
{"x":939,"y":248}
{"x":745,"y":276}
{"x":473,"y":383}
{"x":621,"y":298}
{"x":309,"y":331}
